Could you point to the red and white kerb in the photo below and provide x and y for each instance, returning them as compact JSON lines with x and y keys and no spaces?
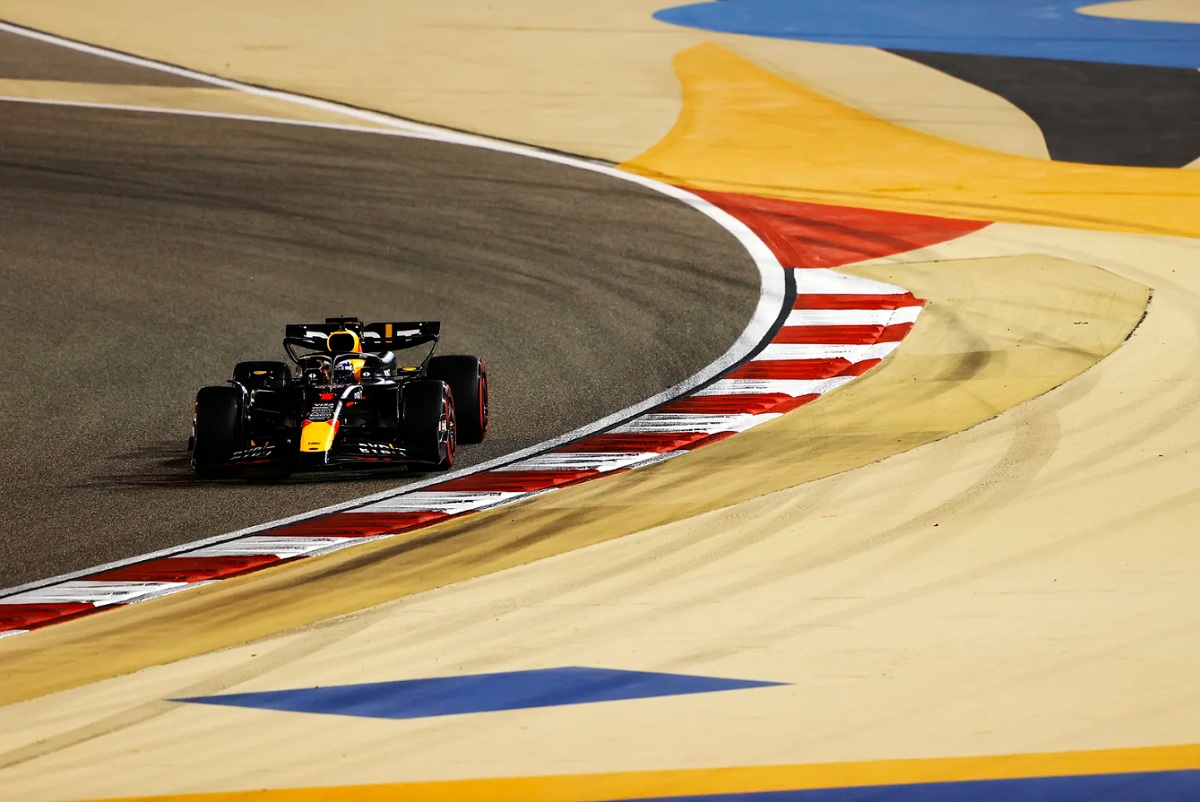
{"x":840,"y":327}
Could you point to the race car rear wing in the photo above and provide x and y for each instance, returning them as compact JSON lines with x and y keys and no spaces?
{"x":375,"y":337}
{"x":398,"y":336}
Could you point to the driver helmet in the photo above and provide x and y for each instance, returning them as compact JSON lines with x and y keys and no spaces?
{"x":344,"y":372}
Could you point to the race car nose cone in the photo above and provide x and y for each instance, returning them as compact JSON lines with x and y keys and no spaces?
{"x":317,"y":436}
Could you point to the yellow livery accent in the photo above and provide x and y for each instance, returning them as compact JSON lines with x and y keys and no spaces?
{"x":317,"y":436}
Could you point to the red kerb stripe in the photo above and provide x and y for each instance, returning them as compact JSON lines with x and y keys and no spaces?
{"x":835,"y":301}
{"x":793,"y":403}
{"x":829,"y":335}
{"x":842,"y":335}
{"x":895,"y":333}
{"x":748,"y":403}
{"x":357,"y":524}
{"x":514,"y":481}
{"x":802,"y":368}
{"x":803,"y":234}
{"x":187,"y":569}
{"x":708,"y":441}
{"x":32,"y":616}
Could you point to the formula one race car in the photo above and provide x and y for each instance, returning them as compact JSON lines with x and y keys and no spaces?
{"x":348,"y":403}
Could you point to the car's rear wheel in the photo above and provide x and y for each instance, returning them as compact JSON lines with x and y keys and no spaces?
{"x":467,"y":377}
{"x":218,"y":432}
{"x":430,"y":428}
{"x":262,"y":375}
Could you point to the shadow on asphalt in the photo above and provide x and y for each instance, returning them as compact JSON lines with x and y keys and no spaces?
{"x":167,"y":465}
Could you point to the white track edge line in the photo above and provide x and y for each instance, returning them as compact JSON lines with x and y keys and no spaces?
{"x":772,"y":288}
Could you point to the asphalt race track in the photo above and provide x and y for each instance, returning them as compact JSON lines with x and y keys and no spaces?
{"x":143,"y":254}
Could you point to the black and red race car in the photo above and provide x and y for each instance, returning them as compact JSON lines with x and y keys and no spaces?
{"x":349,"y":402}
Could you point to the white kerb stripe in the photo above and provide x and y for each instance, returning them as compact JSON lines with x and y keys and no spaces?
{"x":452,"y":502}
{"x":8,"y":632}
{"x":853,"y":353}
{"x":669,"y":422}
{"x":708,"y":424}
{"x":281,"y":547}
{"x":793,"y":387}
{"x":82,"y":591}
{"x":559,"y":461}
{"x":905,"y":314}
{"x":750,"y":421}
{"x":852,"y":317}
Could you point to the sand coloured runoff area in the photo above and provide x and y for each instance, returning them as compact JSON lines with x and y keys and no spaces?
{"x":594,"y":80}
{"x":1155,"y":10}
{"x":1021,"y":586}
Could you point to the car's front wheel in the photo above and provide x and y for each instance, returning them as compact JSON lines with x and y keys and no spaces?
{"x":218,"y":424}
{"x":468,"y":382}
{"x":430,"y":427}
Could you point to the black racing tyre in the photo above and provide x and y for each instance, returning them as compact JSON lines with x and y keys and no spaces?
{"x":262,"y":375}
{"x":218,"y":431}
{"x":430,"y":430}
{"x":467,"y":377}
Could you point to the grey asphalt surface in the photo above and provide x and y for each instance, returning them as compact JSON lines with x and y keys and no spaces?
{"x":28,"y":59}
{"x":143,"y":254}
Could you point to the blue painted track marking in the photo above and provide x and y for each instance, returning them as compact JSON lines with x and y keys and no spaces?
{"x":479,"y":693}
{"x":1046,"y":29}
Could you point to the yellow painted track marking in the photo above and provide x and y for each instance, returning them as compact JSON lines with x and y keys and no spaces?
{"x":745,"y":129}
{"x":747,"y":779}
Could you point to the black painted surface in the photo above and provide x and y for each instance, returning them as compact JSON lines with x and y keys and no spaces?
{"x":1094,"y":113}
